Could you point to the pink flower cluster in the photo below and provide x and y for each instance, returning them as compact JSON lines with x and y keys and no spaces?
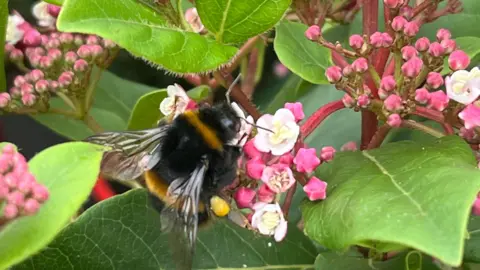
{"x":20,"y":193}
{"x":273,"y":161}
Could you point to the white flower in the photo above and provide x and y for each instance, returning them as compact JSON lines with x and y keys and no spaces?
{"x":176,"y":101}
{"x":268,"y":219}
{"x":14,"y":33}
{"x":40,"y":12}
{"x":464,"y":86}
{"x":245,"y":128}
{"x":285,"y":132}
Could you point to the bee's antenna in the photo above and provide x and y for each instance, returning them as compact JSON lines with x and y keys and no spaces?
{"x":252,"y":124}
{"x":230,"y":88}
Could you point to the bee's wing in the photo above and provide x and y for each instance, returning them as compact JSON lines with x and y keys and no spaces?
{"x":180,"y":217}
{"x":132,"y":152}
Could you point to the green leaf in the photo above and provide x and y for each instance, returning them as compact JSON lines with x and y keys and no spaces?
{"x":332,"y":261}
{"x":144,"y":34}
{"x":472,"y":244}
{"x":124,"y":233}
{"x":470,"y":45}
{"x":69,"y":171}
{"x":3,"y":29}
{"x":305,"y":58}
{"x":236,"y":21}
{"x":424,"y":191}
{"x":55,"y":2}
{"x":113,"y":103}
{"x":199,"y":93}
{"x":294,"y":88}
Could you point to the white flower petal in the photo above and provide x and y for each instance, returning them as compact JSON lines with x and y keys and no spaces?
{"x":265,"y":121}
{"x":13,"y":33}
{"x":166,"y":106}
{"x":262,"y":143}
{"x":40,"y":12}
{"x":284,"y":115}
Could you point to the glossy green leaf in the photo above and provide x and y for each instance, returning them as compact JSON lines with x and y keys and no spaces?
{"x":200,"y":92}
{"x":305,"y":58}
{"x":124,"y":233}
{"x":3,"y":29}
{"x":470,"y":45}
{"x":472,"y":244}
{"x":333,"y":261}
{"x":69,"y":171}
{"x":236,"y":21}
{"x":55,"y":2}
{"x":144,"y":34}
{"x":113,"y":103}
{"x":294,"y":88}
{"x":424,"y":191}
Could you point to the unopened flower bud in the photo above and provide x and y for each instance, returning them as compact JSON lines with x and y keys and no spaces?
{"x":411,"y":29}
{"x":96,"y":50}
{"x":40,"y":192}
{"x":382,"y":94}
{"x":438,"y":101}
{"x":334,"y":74}
{"x":55,"y":54}
{"x":412,"y":67}
{"x":422,"y":44}
{"x":407,"y":12}
{"x":388,"y":83}
{"x":327,"y":153}
{"x":379,"y":40}
{"x":250,"y":150}
{"x":19,"y":80}
{"x":360,"y":65}
{"x":394,"y":120}
{"x":8,"y":48}
{"x":315,"y":189}
{"x":66,"y":38}
{"x":422,"y":96}
{"x":434,"y":79}
{"x":78,"y":40}
{"x":10,"y":211}
{"x":398,"y":23}
{"x":347,"y":70}
{"x":54,"y":85}
{"x":244,"y":197}
{"x":387,"y":40}
{"x":348,"y":101}
{"x":436,"y":49}
{"x":15,"y":92}
{"x":31,"y":207}
{"x":363,"y":101}
{"x":28,"y":99}
{"x":80,"y":65}
{"x":36,"y":75}
{"x":468,"y":134}
{"x":255,"y":168}
{"x":356,"y":42}
{"x":409,"y":52}
{"x":53,"y":43}
{"x":71,"y":57}
{"x":91,"y":40}
{"x":65,"y":79}
{"x":53,"y":10}
{"x":32,"y":38}
{"x":443,"y":34}
{"x":35,"y":60}
{"x":393,"y":3}
{"x":4,"y":99}
{"x":16,"y":55}
{"x":393,"y":103}
{"x":41,"y":86}
{"x":108,"y":44}
{"x":45,"y":62}
{"x":26,"y":88}
{"x":450,"y":45}
{"x":84,"y":51}
{"x":313,"y":32}
{"x":458,"y":60}
{"x":265,"y":194}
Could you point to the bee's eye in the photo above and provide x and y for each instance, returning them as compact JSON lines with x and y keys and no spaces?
{"x":229,"y":124}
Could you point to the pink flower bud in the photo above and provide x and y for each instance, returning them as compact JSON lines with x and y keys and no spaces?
{"x":41,"y":86}
{"x":53,"y":10}
{"x":35,"y":60}
{"x":84,"y":51}
{"x":45,"y":62}
{"x":78,"y":40}
{"x":32,"y":38}
{"x":313,"y":32}
{"x":19,"y":81}
{"x":411,"y":29}
{"x":334,"y":74}
{"x":26,"y":184}
{"x":53,"y":43}
{"x":382,"y":94}
{"x":92,"y":40}
{"x":388,"y":83}
{"x":16,"y":55}
{"x":363,"y":101}
{"x":422,"y":96}
{"x":108,"y":44}
{"x":15,"y":92}
{"x":347,"y":70}
{"x":408,"y":52}
{"x":265,"y":194}
{"x":327,"y":153}
{"x":348,"y":101}
{"x":436,"y":49}
{"x":55,"y":54}
{"x":54,"y":85}
{"x":422,"y":44}
{"x":8,"y":48}
{"x":255,"y":168}
{"x":80,"y":65}
{"x":10,"y":211}
{"x":66,"y":38}
{"x":356,"y":42}
{"x":387,"y":40}
{"x":349,"y":146}
{"x":28,"y":99}
{"x":36,"y":75}
{"x":434,"y":79}
{"x":315,"y":189}
{"x":297,"y":109}
{"x":31,"y":207}
{"x":379,"y":40}
{"x":360,"y":65}
{"x":412,"y":67}
{"x":250,"y":150}
{"x":407,"y":12}
{"x":27,"y":88}
{"x":468,"y":134}
{"x":394,"y":120}
{"x":4,"y":191}
{"x":470,"y":116}
{"x":458,"y":60}
{"x":449,"y":45}
{"x":65,"y":79}
{"x":16,"y":198}
{"x":71,"y":57}
{"x":393,"y":3}
{"x":443,"y":34}
{"x":96,"y":50}
{"x":244,"y":197}
{"x":438,"y":101}
{"x":40,"y":192}
{"x":476,"y":207}
{"x":306,"y":160}
{"x":393,"y":103}
{"x":4,"y":99}
{"x":280,"y":70}
{"x":286,"y":159}
{"x":398,"y":23}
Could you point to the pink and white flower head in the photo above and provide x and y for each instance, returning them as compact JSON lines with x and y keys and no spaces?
{"x":297,"y":109}
{"x":40,"y":12}
{"x":464,"y":86}
{"x":281,"y":135}
{"x":177,"y":101}
{"x":14,"y":33}
{"x":245,"y":127}
{"x":278,"y":177}
{"x":470,"y":116}
{"x":268,"y":219}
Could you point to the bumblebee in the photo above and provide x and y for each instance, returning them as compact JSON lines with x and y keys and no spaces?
{"x":185,"y":162}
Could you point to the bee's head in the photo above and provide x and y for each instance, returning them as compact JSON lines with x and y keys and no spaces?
{"x":223,"y":118}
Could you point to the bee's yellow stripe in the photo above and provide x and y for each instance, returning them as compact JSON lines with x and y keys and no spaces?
{"x":209,"y":136}
{"x":159,"y":188}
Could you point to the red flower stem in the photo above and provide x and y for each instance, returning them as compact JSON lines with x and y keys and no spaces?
{"x":193,"y":79}
{"x":418,"y":9}
{"x":390,"y":68}
{"x":288,"y":200}
{"x":102,"y":190}
{"x":379,"y":136}
{"x":448,"y":129}
{"x":426,"y":129}
{"x":338,"y":59}
{"x":430,"y":114}
{"x":317,"y":117}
